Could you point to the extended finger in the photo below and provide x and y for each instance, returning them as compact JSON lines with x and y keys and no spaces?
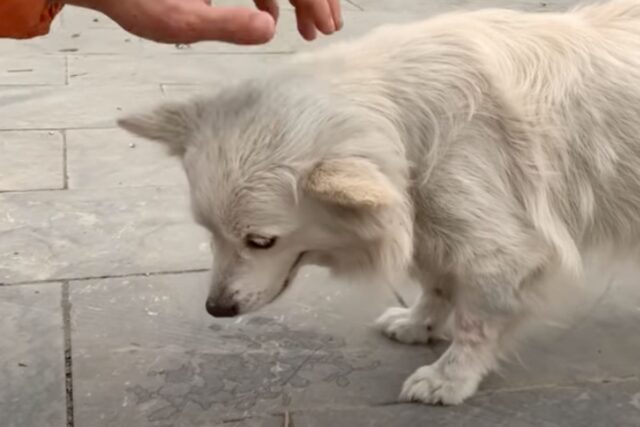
{"x":306,"y":24}
{"x":231,"y":24}
{"x":336,"y":13}
{"x":321,"y":13}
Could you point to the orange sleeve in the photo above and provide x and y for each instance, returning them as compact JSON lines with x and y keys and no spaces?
{"x":23,"y":19}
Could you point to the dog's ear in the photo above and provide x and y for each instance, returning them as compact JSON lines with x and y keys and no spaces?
{"x":171,"y":124}
{"x":351,"y":182}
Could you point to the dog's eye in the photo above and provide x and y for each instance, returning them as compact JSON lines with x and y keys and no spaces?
{"x":254,"y":241}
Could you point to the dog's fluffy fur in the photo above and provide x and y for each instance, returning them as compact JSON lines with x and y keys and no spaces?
{"x":473,"y":152}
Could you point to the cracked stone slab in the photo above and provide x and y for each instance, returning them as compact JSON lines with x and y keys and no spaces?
{"x":32,"y":356}
{"x":113,"y":158}
{"x":31,"y":161}
{"x":90,"y":233}
{"x":599,"y":404}
{"x":147,"y":354}
{"x":62,"y":107}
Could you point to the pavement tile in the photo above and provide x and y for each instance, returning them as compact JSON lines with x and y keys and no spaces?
{"x":146,"y":343}
{"x":80,"y":18}
{"x":32,"y":357}
{"x":91,"y":233}
{"x":113,"y":158}
{"x":147,"y":353}
{"x":580,"y":335}
{"x":31,"y":161}
{"x":586,"y":336}
{"x":63,"y":41}
{"x":32,"y":70}
{"x":164,"y":68}
{"x":588,"y":405}
{"x":50,"y":107}
{"x":184,"y":92}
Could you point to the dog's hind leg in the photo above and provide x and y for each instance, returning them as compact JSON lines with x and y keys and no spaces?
{"x":425,"y":319}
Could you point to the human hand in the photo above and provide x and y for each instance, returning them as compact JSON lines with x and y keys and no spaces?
{"x":190,"y":21}
{"x":313,"y":15}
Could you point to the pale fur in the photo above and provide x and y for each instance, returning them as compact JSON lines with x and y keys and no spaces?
{"x":475,"y":152}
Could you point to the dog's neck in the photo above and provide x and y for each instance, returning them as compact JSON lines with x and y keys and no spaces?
{"x":427,"y":100}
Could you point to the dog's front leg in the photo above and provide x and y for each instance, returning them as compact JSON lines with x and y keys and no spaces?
{"x":484,"y":308}
{"x":425,"y":319}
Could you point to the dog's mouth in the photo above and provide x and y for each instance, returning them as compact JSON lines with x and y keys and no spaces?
{"x":293,"y":271}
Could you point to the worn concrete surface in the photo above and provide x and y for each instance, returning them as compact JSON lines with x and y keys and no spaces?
{"x":103,"y":273}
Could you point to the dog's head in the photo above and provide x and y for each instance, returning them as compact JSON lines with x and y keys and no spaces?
{"x":282,"y":175}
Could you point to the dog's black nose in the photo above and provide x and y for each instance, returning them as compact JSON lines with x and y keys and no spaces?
{"x":218,"y":310}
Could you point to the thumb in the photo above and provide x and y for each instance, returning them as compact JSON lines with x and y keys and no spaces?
{"x":236,"y":25}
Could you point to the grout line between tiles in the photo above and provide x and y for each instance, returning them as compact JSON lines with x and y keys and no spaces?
{"x":65,"y":167}
{"x":103,"y":277}
{"x":68,"y":362}
{"x":66,"y":70}
{"x":35,"y":190}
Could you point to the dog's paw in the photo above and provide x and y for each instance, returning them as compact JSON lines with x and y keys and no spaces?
{"x":398,"y":324}
{"x":430,"y":385}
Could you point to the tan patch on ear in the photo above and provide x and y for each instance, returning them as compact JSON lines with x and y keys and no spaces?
{"x":350,"y":182}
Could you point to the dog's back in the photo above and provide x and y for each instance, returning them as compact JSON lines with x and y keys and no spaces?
{"x":543,"y":108}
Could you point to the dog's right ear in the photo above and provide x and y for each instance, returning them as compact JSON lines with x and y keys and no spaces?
{"x":351,"y":182}
{"x":171,"y":124}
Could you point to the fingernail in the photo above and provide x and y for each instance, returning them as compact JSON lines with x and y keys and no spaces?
{"x":263,"y":26}
{"x":311,"y":35}
{"x":332,"y":26}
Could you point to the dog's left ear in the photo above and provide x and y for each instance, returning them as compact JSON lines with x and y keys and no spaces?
{"x":171,"y":124}
{"x":351,"y":182}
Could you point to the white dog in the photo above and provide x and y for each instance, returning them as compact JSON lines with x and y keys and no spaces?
{"x":475,"y":151}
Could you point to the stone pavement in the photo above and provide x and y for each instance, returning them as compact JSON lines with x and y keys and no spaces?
{"x":103,"y":273}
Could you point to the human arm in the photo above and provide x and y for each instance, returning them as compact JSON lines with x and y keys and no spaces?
{"x":177,"y":21}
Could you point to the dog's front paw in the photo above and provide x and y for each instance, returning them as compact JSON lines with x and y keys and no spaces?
{"x":398,"y":324}
{"x":430,"y":385}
